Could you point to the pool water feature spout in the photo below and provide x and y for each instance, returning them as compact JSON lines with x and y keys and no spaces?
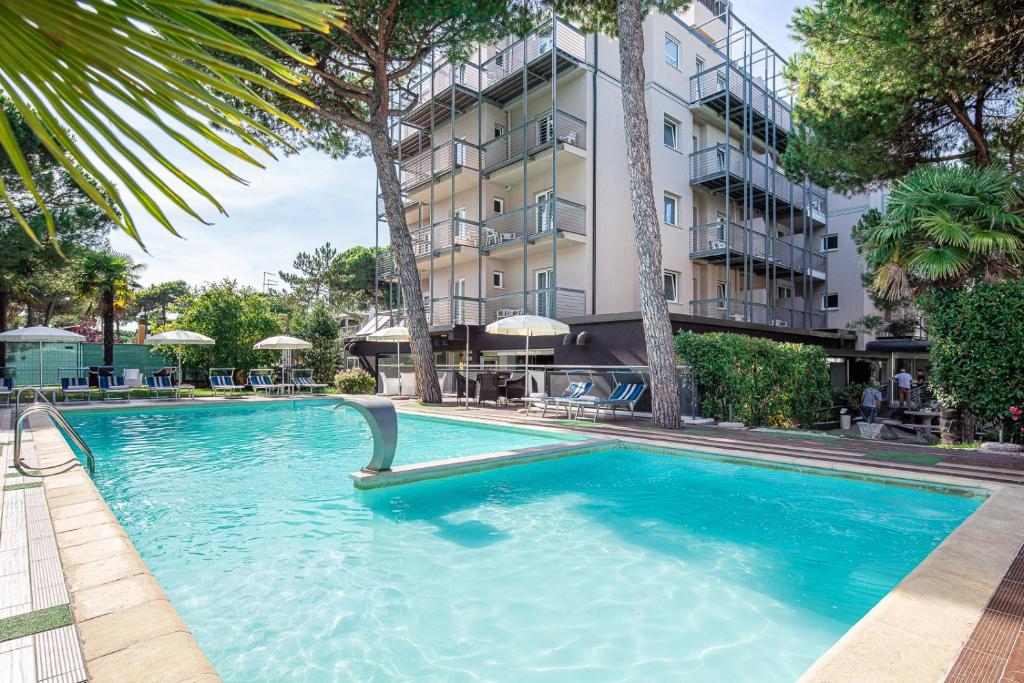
{"x":380,"y":414}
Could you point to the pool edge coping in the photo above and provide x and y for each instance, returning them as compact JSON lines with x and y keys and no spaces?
{"x":125,"y":620}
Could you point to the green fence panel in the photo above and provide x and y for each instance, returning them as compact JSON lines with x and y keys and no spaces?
{"x":23,"y":360}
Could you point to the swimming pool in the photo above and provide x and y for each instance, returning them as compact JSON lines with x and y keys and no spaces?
{"x":611,"y":565}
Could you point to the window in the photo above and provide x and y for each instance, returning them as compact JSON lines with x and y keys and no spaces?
{"x":694,"y":149}
{"x":461,"y":229}
{"x":700,"y":64}
{"x":671,"y":133}
{"x":830,"y":242}
{"x":720,"y":294}
{"x":671,"y":202}
{"x":784,"y":292}
{"x":498,"y":279}
{"x":498,"y":131}
{"x":497,"y":205}
{"x":671,"y":286}
{"x":830,"y":302}
{"x":671,"y":51}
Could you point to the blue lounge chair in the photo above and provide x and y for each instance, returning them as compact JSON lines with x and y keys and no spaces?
{"x":224,"y":381}
{"x":158,"y":384}
{"x":114,"y":386}
{"x":307,"y":383}
{"x":575,"y":390}
{"x":260,"y":379}
{"x":623,"y":396}
{"x":6,"y":388}
{"x":75,"y":386}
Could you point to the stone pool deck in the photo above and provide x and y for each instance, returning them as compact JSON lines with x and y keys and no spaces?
{"x":78,"y":603}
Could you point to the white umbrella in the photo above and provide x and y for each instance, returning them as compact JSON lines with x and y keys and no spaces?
{"x":397,"y":334}
{"x":282,"y":343}
{"x":528,"y":326}
{"x":179,"y":338}
{"x":41,"y":335}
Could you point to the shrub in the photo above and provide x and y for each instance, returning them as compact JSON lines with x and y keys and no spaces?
{"x":766,"y":383}
{"x":321,"y":331}
{"x":356,"y":381}
{"x":977,"y":335}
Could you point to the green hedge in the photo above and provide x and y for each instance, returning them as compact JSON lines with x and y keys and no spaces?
{"x":767,"y":383}
{"x":977,"y":347}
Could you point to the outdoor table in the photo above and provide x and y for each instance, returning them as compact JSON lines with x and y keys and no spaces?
{"x":930,"y":415}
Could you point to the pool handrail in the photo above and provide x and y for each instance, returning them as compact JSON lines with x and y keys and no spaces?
{"x":38,"y":391}
{"x":54,"y":414}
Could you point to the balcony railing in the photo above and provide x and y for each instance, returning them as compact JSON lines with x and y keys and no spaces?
{"x":445,"y":158}
{"x":710,"y":164}
{"x":510,"y":61}
{"x":444,"y":234}
{"x":551,"y":302}
{"x":714,"y":239}
{"x":456,"y":310}
{"x":546,"y":129}
{"x":711,"y":83}
{"x":536,"y":219}
{"x":741,"y":311}
{"x":444,"y":75}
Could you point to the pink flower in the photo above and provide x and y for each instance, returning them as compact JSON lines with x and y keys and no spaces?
{"x":1015,"y":411}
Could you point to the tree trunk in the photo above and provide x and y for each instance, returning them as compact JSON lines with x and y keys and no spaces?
{"x":661,"y":354}
{"x":950,"y":430}
{"x":30,"y":315}
{"x":108,"y":326}
{"x":405,"y":263}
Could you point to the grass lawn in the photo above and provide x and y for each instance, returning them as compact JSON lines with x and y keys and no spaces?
{"x":910,"y":458}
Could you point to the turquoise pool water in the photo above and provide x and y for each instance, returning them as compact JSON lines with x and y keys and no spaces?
{"x":616,"y":565}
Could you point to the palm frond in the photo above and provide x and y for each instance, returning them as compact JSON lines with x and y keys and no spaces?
{"x":65,"y":62}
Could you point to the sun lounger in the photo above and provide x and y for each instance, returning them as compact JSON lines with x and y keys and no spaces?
{"x":260,"y":382}
{"x":575,"y":390}
{"x":158,"y":384}
{"x":114,"y":386}
{"x":225,"y":383}
{"x":308,"y":383}
{"x":75,"y":386}
{"x":6,"y":388}
{"x":622,"y":396}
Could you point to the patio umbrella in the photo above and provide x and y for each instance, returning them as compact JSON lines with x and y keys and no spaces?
{"x":397,"y":334}
{"x":282,"y":343}
{"x":528,"y":326}
{"x":179,"y":338}
{"x":41,"y":335}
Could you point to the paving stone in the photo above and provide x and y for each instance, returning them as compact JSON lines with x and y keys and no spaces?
{"x":173,"y":657}
{"x":119,"y":630}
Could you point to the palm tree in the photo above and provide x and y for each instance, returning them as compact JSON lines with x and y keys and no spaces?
{"x":71,"y":68}
{"x":946,"y":226}
{"x":109,"y":278}
{"x":624,"y":19}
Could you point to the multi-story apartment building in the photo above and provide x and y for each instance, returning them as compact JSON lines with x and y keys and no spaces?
{"x":516,"y":184}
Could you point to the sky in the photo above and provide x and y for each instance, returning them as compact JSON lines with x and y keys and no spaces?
{"x":299,"y":202}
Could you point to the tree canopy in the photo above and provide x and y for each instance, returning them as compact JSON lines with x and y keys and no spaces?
{"x":886,"y":86}
{"x":237,"y":317}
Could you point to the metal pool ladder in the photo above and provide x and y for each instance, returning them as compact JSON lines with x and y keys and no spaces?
{"x":47,"y":408}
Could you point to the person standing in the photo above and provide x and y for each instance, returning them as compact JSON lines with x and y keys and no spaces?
{"x":904,"y":380}
{"x":869,"y":399}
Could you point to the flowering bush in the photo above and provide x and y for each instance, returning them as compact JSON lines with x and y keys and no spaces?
{"x":1016,"y":420}
{"x":355,"y":382}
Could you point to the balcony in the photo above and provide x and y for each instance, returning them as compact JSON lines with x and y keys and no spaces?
{"x":723,"y":169}
{"x":547,"y":130}
{"x":552,"y":302}
{"x":720,"y":242}
{"x":741,"y":311}
{"x":771,"y":118}
{"x":539,"y":219}
{"x":448,"y":89}
{"x":444,"y":235}
{"x":448,"y":157}
{"x":529,"y":61}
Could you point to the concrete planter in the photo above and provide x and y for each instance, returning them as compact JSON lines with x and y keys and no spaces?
{"x":870,"y":431}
